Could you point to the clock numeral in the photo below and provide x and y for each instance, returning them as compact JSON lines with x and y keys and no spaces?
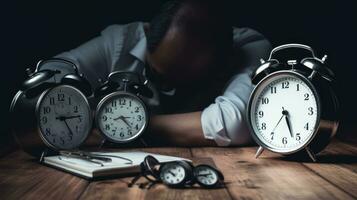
{"x":121,"y":134}
{"x":284,"y":140}
{"x":306,"y":96}
{"x":75,"y":109}
{"x":272,"y":135}
{"x":265,"y":100}
{"x":137,"y":126}
{"x":60,"y":97}
{"x":52,"y":101}
{"x":46,"y":110}
{"x":311,"y":111}
{"x":285,"y":85}
{"x":44,"y":120}
{"x":48,"y":131}
{"x":261,"y":114}
{"x":136,"y":109}
{"x":297,"y":87}
{"x":129,"y":103}
{"x":105,"y":118}
{"x":298,"y":137}
{"x":273,"y":90}
{"x":69,"y":101}
{"x":264,"y":126}
{"x":122,"y":102}
{"x":107,"y":127}
{"x":139,"y":118}
{"x":114,"y":103}
{"x":306,"y":126}
{"x":108,"y":110}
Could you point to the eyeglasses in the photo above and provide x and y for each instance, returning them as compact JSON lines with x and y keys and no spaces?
{"x":149,"y":170}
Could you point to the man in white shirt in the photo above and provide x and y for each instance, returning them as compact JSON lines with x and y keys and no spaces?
{"x":197,"y":65}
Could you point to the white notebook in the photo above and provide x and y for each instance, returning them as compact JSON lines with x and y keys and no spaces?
{"x":117,"y":167}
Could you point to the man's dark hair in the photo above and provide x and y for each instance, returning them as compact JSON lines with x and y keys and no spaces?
{"x":220,"y":29}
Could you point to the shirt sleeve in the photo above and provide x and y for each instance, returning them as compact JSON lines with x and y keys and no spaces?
{"x":224,"y":121}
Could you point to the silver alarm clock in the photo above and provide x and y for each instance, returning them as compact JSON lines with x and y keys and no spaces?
{"x":293,"y":108}
{"x":50,"y":114}
{"x":121,"y":116}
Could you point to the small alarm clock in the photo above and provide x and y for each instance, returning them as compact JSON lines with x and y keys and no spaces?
{"x":176,"y":173}
{"x":207,"y":176}
{"x":121,"y":115}
{"x":51,"y":112}
{"x":293,"y":108}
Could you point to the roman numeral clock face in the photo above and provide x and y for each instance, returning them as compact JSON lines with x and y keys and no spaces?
{"x":284,"y":112}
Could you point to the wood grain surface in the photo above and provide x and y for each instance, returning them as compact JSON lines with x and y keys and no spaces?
{"x":271,"y":176}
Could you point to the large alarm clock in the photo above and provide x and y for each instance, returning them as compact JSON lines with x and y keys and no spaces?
{"x":121,"y":115}
{"x":51,"y":112}
{"x":293,"y":108}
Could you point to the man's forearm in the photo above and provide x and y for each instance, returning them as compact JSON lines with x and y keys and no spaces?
{"x":179,"y":129}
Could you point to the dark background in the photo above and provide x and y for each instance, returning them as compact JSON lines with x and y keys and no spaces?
{"x":31,"y":31}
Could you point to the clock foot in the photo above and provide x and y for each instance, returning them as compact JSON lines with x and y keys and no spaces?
{"x":311,"y":154}
{"x":259,"y":151}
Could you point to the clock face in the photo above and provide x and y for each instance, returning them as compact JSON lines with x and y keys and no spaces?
{"x":284,"y":112}
{"x":64,"y":117}
{"x":172,"y":174}
{"x":121,"y":117}
{"x":206,"y":175}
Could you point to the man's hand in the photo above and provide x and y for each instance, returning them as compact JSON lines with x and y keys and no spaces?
{"x":178,"y":129}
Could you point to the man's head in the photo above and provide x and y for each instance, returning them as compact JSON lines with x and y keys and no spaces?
{"x":187,"y":39}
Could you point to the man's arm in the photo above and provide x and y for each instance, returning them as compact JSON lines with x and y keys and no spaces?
{"x":179,"y":129}
{"x":223,"y":123}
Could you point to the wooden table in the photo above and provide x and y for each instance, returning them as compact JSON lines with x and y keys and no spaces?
{"x":270,"y":177}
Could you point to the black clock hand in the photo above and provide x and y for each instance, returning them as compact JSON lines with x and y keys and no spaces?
{"x":62,"y":118}
{"x":173,"y":174}
{"x":289,"y":125}
{"x":204,"y":174}
{"x":124,"y":120}
{"x":71,"y":117}
{"x":121,"y":117}
{"x":287,"y":119}
{"x":70,"y":131}
{"x":284,"y":112}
